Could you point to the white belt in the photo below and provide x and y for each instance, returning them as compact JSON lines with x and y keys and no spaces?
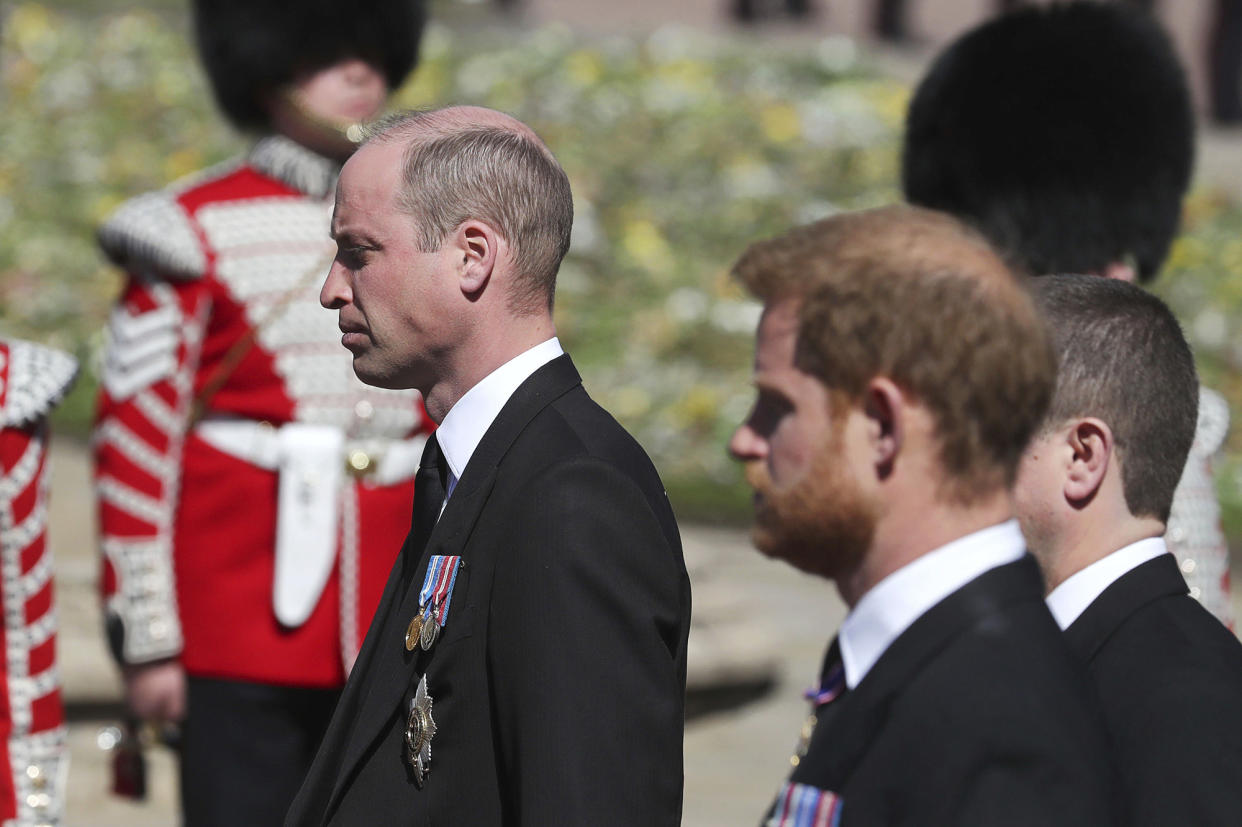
{"x":312,"y":462}
{"x":379,"y":461}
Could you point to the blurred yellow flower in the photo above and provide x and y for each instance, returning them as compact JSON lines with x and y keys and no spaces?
{"x":31,"y":27}
{"x":1187,"y":253}
{"x":182,"y":162}
{"x":584,"y":68}
{"x":630,"y":401}
{"x":698,"y":407}
{"x":425,"y":88}
{"x":889,"y":99}
{"x":694,"y":75}
{"x":646,"y":246}
{"x":780,"y":123}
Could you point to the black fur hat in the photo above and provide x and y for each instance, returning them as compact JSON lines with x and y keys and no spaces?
{"x":251,"y":48}
{"x":1064,"y":133}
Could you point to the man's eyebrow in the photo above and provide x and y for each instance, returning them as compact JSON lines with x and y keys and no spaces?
{"x":348,"y":236}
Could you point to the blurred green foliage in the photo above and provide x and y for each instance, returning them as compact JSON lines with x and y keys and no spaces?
{"x":681,"y":149}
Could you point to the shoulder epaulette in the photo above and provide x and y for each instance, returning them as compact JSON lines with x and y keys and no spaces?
{"x":153,"y":234}
{"x":1213,"y":422}
{"x":35,"y":379}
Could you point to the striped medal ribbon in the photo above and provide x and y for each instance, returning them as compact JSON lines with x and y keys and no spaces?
{"x":436,"y":596}
{"x":801,"y":805}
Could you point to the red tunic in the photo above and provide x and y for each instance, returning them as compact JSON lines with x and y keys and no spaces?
{"x":32,"y":719}
{"x":188,"y":523}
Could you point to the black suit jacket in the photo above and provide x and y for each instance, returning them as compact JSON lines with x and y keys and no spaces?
{"x":975,"y":715}
{"x":1169,"y":675}
{"x":558,"y":680}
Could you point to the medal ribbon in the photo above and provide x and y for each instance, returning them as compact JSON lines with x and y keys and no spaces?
{"x":801,"y":805}
{"x":829,"y":688}
{"x":437,"y":591}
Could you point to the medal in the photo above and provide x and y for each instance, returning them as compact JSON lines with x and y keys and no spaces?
{"x":433,"y":601}
{"x":419,"y":730}
{"x":413,"y":632}
{"x":430,"y":631}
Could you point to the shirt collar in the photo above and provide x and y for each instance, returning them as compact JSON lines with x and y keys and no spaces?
{"x":293,"y":164}
{"x":893,"y":604}
{"x":1070,"y":599}
{"x":468,"y":420}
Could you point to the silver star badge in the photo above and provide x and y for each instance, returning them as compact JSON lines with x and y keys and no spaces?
{"x":419,"y":730}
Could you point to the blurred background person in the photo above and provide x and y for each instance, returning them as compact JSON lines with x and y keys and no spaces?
{"x":32,"y":717}
{"x":252,"y":493}
{"x":1066,"y":135}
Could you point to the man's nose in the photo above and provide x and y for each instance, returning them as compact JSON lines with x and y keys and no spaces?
{"x":745,"y":444}
{"x":335,"y":292}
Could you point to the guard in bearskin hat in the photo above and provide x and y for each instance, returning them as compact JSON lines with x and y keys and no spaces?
{"x":252,"y":493}
{"x":1066,"y":135}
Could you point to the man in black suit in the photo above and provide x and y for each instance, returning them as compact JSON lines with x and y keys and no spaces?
{"x":900,"y":370}
{"x":527,"y":663}
{"x":1093,"y":495}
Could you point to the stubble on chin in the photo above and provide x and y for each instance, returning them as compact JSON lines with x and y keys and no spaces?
{"x":821,"y":525}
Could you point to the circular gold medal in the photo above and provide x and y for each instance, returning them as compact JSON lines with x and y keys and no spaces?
{"x":412,"y":632}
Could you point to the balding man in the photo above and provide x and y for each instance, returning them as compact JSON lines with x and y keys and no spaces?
{"x":527,"y":663}
{"x":900,"y":371}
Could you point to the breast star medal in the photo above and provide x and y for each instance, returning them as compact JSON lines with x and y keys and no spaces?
{"x":419,"y":730}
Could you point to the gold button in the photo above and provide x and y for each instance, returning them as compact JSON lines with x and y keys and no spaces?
{"x":359,"y":461}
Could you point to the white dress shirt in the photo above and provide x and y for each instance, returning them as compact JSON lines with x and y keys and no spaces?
{"x":893,"y":604}
{"x":467,"y":421}
{"x":1070,"y":599}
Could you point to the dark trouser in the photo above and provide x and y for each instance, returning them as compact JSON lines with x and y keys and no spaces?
{"x":246,"y":748}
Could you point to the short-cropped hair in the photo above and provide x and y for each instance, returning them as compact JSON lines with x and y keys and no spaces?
{"x":503,"y":177}
{"x":1123,"y":359}
{"x":1065,"y":134}
{"x":919,"y":298}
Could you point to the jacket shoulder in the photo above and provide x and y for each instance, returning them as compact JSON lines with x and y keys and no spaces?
{"x":155,"y":234}
{"x":34,"y":378}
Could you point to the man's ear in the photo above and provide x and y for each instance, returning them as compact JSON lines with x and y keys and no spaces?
{"x":1091,"y":447}
{"x":476,"y":246}
{"x":1124,"y":270}
{"x":884,"y":405}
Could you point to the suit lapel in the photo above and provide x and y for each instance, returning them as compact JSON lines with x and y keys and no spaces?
{"x":837,"y":748}
{"x":1157,"y":578}
{"x":391,"y":668}
{"x":326,"y":766}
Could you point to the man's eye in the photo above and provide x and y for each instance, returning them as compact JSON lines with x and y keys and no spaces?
{"x":352,"y":257}
{"x":769,"y":410}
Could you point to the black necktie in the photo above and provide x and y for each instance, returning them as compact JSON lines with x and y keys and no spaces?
{"x":428,"y":497}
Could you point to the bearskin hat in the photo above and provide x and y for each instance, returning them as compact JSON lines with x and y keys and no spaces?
{"x":250,"y":48}
{"x":1064,"y":133}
